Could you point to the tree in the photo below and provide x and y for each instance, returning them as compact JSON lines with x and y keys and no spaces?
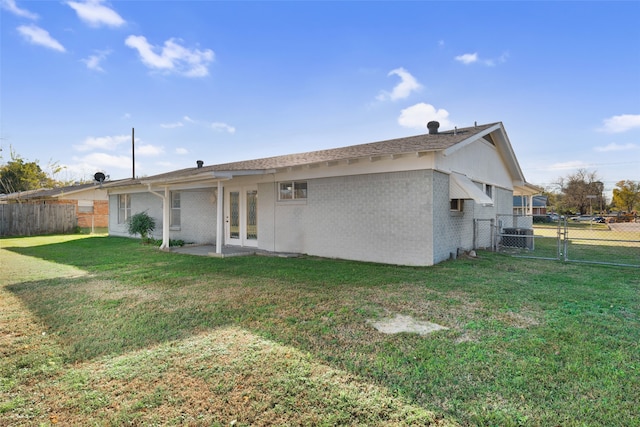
{"x":582,"y":192}
{"x":20,"y":175}
{"x":626,"y":195}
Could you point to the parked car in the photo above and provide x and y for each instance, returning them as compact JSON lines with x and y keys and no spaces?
{"x":542,"y":218}
{"x":582,"y":218}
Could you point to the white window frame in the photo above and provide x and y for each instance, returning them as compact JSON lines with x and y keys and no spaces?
{"x":175,"y":196}
{"x":488,"y":190}
{"x":124,"y":212}
{"x":85,"y":206}
{"x":297,"y":190}
{"x":456,"y":205}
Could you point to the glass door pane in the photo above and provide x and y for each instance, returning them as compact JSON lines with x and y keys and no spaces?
{"x":234,"y":214}
{"x":252,"y":214}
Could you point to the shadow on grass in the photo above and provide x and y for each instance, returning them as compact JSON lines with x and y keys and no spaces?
{"x":133,"y":296}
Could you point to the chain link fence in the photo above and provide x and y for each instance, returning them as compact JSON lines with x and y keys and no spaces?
{"x":614,"y":243}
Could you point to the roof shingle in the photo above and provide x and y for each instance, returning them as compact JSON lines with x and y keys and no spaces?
{"x":412,"y":144}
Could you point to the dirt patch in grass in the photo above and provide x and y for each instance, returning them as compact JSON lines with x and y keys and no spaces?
{"x":401,"y":323}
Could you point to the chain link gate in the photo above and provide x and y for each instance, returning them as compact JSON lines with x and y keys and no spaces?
{"x":566,"y":240}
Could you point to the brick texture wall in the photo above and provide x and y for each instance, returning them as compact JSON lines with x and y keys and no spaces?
{"x":384,"y":217}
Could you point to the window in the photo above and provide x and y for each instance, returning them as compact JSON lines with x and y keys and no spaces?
{"x":488,"y":190}
{"x":456,"y":205}
{"x":124,"y":208}
{"x":85,"y":206}
{"x":175,"y":209}
{"x":293,"y":190}
{"x":485,"y":188}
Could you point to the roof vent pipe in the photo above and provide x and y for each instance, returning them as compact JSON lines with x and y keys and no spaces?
{"x":199,"y":163}
{"x":433,"y":127}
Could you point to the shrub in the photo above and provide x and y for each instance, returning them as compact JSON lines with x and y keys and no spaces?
{"x":172,"y":242}
{"x":142,"y":224}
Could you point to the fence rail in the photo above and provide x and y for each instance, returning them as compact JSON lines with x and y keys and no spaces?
{"x":28,"y":219}
{"x":607,"y":243}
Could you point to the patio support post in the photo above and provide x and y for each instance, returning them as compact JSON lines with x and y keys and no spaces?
{"x":166,"y":215}
{"x":219,"y":223}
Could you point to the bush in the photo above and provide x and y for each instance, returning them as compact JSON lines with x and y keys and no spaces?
{"x":142,"y":224}
{"x":172,"y":242}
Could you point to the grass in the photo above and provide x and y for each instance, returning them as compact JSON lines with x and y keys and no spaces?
{"x":105,"y":331}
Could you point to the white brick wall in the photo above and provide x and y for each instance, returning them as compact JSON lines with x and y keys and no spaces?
{"x":377,"y":217}
{"x":139,"y":202}
{"x":197,"y":217}
{"x":394,"y":217}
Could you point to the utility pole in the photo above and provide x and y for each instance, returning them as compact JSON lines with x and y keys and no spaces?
{"x":133,"y":154}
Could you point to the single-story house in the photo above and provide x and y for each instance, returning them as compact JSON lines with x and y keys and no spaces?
{"x":406,"y":201}
{"x":536,"y":205}
{"x":91,"y":201}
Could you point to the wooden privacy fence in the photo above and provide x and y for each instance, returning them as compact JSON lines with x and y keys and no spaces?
{"x":27,"y":219}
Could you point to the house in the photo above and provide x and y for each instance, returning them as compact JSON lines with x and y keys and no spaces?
{"x":90,"y":200}
{"x":407,"y":201}
{"x":537,"y":205}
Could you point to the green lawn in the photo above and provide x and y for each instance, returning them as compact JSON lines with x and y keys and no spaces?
{"x":100,"y":330}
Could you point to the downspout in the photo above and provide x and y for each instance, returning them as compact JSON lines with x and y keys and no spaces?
{"x":165,"y":215}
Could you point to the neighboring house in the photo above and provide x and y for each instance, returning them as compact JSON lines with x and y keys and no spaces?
{"x":90,"y":200}
{"x":530,"y":206}
{"x":408,"y":201}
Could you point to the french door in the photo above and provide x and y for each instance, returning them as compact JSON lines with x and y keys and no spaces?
{"x":241,"y":216}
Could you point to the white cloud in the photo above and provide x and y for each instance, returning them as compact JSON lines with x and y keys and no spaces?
{"x":173,"y":58}
{"x":93,"y":61}
{"x":102,"y":143}
{"x":407,"y":85}
{"x":617,"y":147}
{"x":417,"y":116}
{"x":467,"y":58}
{"x":572,"y":164}
{"x":149,"y":150}
{"x":95,"y":14}
{"x":621,"y":123}
{"x":182,"y":151}
{"x":171,"y":125}
{"x":11,"y":6}
{"x":471,"y":58}
{"x":223,"y":127}
{"x":189,"y":119}
{"x":103,"y":162}
{"x":36,"y":35}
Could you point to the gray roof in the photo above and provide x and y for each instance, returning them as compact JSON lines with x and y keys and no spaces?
{"x":45,"y":193}
{"x":412,"y":144}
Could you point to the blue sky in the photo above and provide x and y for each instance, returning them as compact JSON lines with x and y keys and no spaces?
{"x":226,"y":81}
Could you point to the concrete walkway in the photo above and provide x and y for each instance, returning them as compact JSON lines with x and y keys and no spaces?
{"x":227,"y":251}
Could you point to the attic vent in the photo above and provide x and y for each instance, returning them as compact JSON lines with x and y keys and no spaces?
{"x":433,"y":127}
{"x":199,"y":163}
